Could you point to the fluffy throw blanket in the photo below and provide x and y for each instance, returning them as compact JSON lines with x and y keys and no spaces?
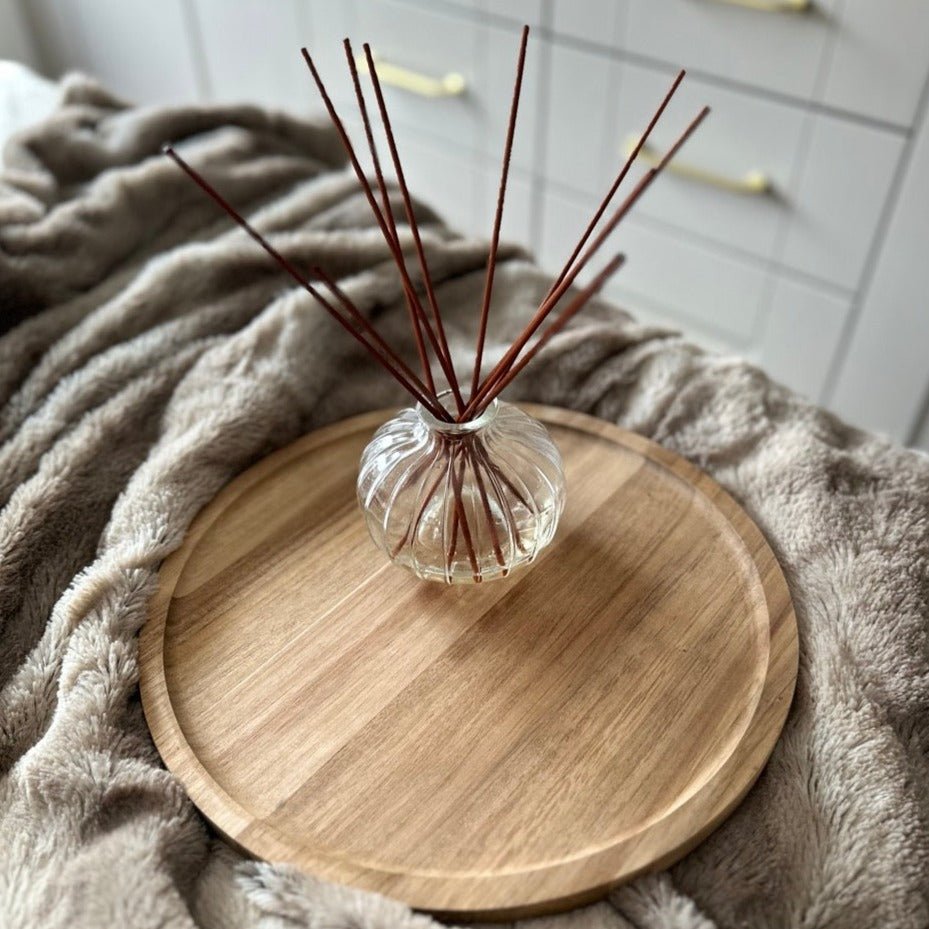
{"x":158,"y":353}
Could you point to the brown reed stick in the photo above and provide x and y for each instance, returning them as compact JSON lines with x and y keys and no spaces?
{"x":563,"y":318}
{"x":605,"y":202}
{"x":459,"y":515}
{"x":384,"y":360}
{"x":457,"y":479}
{"x":498,"y":216}
{"x":497,"y":477}
{"x":485,"y":503}
{"x":445,"y":359}
{"x":375,"y":209}
{"x":419,"y":473}
{"x":445,"y":356}
{"x":549,"y":302}
{"x":370,"y":331}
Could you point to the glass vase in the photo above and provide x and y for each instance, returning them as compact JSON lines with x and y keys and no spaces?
{"x":462,"y":503}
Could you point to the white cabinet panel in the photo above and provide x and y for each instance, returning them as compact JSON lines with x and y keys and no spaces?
{"x":141,"y":51}
{"x":881,"y":59}
{"x":599,"y":21}
{"x":462,"y":190}
{"x":686,"y":281}
{"x":527,"y":12}
{"x":883,"y":382}
{"x":779,"y":51}
{"x":325,"y":27}
{"x":801,"y":335}
{"x":252,"y":53}
{"x":53,"y":25}
{"x":449,"y":182}
{"x":842,"y":189}
{"x":581,"y":119}
{"x":15,"y":39}
{"x":484,"y":54}
{"x":517,"y":225}
{"x":520,"y":11}
{"x":921,"y":439}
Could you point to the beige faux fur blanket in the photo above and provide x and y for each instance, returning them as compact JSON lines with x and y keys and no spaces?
{"x":163,"y":354}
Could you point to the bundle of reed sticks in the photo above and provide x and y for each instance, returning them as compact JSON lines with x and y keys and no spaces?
{"x":427,"y":328}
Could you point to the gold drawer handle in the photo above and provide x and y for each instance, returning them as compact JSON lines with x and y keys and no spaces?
{"x":452,"y":84}
{"x":752,"y":182}
{"x":773,"y":6}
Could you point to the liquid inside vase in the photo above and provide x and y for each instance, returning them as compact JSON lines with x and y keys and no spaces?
{"x":462,"y":503}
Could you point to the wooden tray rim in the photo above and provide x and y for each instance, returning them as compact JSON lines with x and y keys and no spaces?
{"x":558,"y":881}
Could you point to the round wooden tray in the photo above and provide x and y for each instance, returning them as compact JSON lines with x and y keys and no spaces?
{"x":488,"y":751}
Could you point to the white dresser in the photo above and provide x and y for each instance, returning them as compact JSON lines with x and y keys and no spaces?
{"x":767,"y":240}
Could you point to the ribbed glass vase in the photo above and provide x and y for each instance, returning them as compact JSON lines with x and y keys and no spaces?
{"x":462,"y":503}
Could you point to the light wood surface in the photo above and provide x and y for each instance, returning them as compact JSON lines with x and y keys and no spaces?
{"x":494,"y":751}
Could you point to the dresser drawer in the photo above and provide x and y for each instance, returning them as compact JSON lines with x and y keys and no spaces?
{"x":881,"y":56}
{"x":596,"y":21}
{"x":800,"y":335}
{"x":862,"y":56}
{"x":482,"y":53}
{"x":686,"y":282}
{"x":276,"y":75}
{"x":462,"y":189}
{"x":790,"y":328}
{"x":780,"y":51}
{"x":528,"y":12}
{"x":828,"y":177}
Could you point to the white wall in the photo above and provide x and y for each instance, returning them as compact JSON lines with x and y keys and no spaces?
{"x":15,"y":40}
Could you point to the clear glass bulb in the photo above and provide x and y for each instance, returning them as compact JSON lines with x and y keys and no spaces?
{"x":462,"y":503}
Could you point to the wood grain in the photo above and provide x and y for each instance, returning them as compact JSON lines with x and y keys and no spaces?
{"x":490,"y":751}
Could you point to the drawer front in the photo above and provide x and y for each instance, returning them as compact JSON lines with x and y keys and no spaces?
{"x":449,"y":182}
{"x":780,"y":51}
{"x":791,"y":329}
{"x":837,"y":200}
{"x":861,"y":56}
{"x":694,"y":286}
{"x":462,"y":189}
{"x":116,"y":42}
{"x":598,"y":21}
{"x":578,"y":137}
{"x":325,"y":26}
{"x":881,"y":58}
{"x":527,"y":12}
{"x":483,"y":53}
{"x":800,"y":336}
{"x":742,"y":134}
{"x":254,"y":57}
{"x":829,"y":177}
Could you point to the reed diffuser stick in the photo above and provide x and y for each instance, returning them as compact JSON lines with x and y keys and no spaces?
{"x":370,"y":331}
{"x":605,"y":202}
{"x":563,"y":318}
{"x":445,"y":360}
{"x":409,"y":290}
{"x":498,"y":215}
{"x":384,"y":360}
{"x":444,"y":356}
{"x":548,"y":304}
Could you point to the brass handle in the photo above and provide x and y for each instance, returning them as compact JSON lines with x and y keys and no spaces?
{"x":752,"y":182}
{"x":452,"y":84}
{"x":773,"y":6}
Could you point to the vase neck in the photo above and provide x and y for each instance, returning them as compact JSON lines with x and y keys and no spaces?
{"x":452,"y":430}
